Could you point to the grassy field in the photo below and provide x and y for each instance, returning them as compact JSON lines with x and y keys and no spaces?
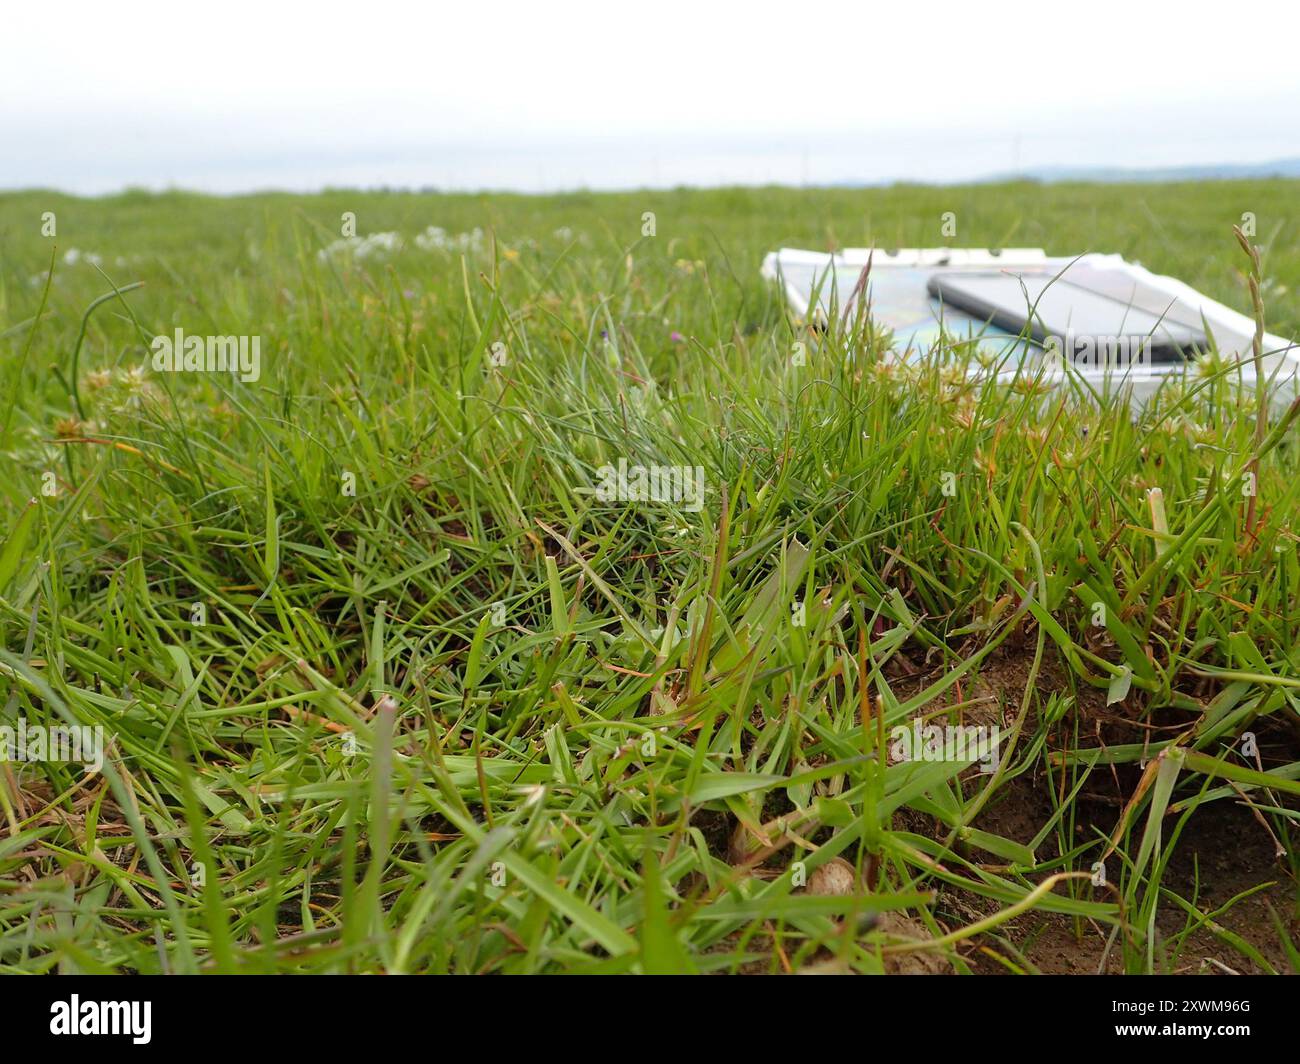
{"x":389,"y":684}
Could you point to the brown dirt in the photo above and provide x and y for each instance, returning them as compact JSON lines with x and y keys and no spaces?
{"x":1223,"y":851}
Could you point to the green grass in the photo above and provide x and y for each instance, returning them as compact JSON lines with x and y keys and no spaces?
{"x":375,"y":656}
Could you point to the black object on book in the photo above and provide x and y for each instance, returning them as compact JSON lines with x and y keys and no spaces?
{"x":1071,"y":315}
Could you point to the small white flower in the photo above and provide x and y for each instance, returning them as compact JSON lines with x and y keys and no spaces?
{"x":74,"y":255}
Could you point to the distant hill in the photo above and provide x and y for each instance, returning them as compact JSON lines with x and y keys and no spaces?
{"x":1210,"y":172}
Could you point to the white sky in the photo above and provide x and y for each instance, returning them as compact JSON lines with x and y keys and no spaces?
{"x":235,"y":95}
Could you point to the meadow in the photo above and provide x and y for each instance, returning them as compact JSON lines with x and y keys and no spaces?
{"x":391,"y":679}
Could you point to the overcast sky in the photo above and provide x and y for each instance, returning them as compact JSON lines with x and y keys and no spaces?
{"x":239,"y":95}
